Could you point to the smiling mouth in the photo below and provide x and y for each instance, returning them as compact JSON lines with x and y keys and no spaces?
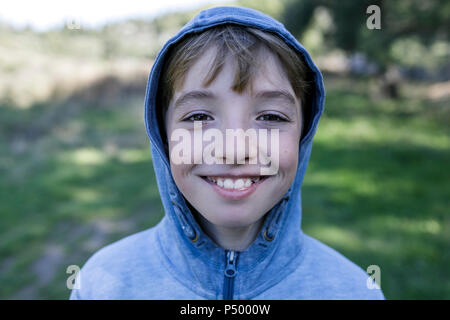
{"x":231,"y":183}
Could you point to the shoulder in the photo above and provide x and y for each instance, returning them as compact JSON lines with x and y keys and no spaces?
{"x":114,"y":267}
{"x":330,"y":275}
{"x":124,"y":252}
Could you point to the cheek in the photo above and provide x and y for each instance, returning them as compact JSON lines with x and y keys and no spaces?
{"x":289,"y":147}
{"x":184,"y":181}
{"x":180,"y":171}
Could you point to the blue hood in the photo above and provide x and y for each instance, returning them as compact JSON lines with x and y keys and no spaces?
{"x":177,"y":260}
{"x":283,"y":222}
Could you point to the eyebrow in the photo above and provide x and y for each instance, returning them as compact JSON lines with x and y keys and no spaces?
{"x":207,"y":95}
{"x":194,"y":95}
{"x":276,"y":94}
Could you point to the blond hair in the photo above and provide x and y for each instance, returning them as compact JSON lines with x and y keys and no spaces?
{"x":244,"y":44}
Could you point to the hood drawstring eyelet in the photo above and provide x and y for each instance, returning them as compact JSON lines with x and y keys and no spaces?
{"x":267,"y":237}
{"x":188,"y":230}
{"x":276,"y":220}
{"x":195,"y":238}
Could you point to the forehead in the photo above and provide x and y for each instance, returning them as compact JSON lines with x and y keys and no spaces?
{"x":269,"y":73}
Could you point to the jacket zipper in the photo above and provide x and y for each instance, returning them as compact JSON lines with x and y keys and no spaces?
{"x":230,"y":274}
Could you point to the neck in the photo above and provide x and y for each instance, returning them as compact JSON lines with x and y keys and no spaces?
{"x":230,"y":238}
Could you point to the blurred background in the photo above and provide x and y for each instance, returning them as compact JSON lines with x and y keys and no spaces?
{"x":75,"y":166}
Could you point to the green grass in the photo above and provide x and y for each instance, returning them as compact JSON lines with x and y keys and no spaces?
{"x":377,"y":190}
{"x":74,"y":186}
{"x":78,"y":176}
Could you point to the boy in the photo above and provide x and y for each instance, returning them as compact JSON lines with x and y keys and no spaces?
{"x":232,"y":227}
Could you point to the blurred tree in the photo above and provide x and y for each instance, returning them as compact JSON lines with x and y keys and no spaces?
{"x":424,"y":21}
{"x":270,"y":7}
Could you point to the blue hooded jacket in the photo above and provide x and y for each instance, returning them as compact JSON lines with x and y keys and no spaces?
{"x":177,"y":260}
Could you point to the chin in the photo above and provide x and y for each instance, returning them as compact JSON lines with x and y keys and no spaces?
{"x":234,"y":218}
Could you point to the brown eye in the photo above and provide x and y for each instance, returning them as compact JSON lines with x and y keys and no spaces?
{"x":271,"y":117}
{"x":199,"y":117}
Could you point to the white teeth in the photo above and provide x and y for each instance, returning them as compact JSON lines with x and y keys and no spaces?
{"x":238,"y":184}
{"x":228,"y":184}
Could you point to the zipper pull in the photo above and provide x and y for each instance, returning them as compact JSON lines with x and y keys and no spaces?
{"x":230,"y":273}
{"x":230,"y":270}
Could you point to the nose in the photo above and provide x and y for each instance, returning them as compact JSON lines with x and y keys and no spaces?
{"x":241,"y":141}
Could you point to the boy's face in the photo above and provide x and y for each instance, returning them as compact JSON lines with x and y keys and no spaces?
{"x":234,"y":203}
